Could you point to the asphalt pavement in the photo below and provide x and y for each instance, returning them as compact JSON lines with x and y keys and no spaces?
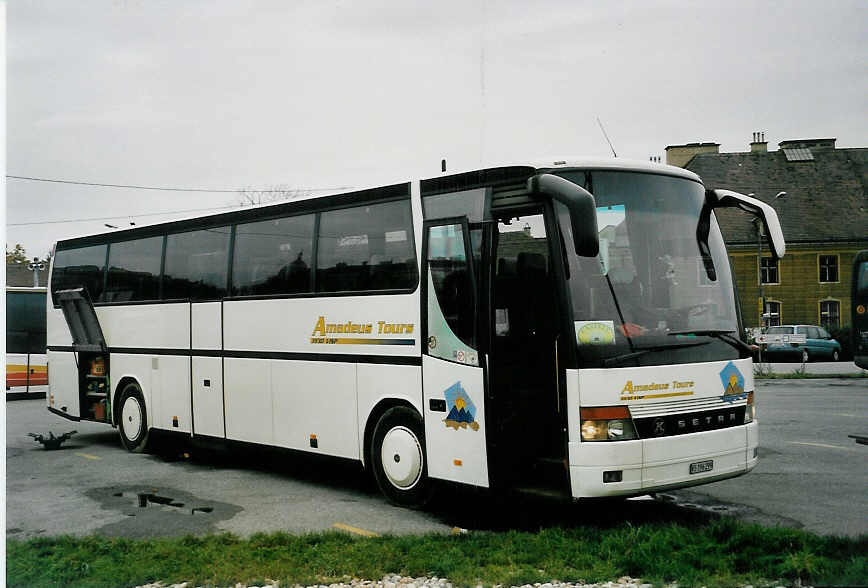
{"x":811,"y":476}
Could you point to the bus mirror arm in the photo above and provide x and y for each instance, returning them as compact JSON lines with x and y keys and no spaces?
{"x":582,"y":207}
{"x":761,"y":210}
{"x":702,"y":230}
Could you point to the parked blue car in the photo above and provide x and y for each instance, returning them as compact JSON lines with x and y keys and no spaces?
{"x":818,"y":344}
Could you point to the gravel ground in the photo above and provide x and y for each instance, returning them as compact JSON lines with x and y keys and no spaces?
{"x":396,"y":581}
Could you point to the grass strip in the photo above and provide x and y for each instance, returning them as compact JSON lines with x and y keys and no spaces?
{"x":797,"y":375}
{"x":718,"y":553}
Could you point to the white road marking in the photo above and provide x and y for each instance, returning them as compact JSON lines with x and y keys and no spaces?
{"x":824,"y":445}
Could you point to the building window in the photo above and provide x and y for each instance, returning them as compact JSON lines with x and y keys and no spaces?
{"x":830,"y":314}
{"x":828,"y":268}
{"x":769,"y":271}
{"x":772,"y":314}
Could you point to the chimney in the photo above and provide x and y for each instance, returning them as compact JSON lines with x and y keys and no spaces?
{"x":759,"y":144}
{"x":680,"y":155}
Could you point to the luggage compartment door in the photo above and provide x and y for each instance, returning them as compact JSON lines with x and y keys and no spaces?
{"x":206,"y":342}
{"x":65,"y":393}
{"x":82,"y":321}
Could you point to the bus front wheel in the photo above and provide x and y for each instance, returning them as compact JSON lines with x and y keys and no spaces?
{"x":133,"y":419}
{"x":398,"y":458}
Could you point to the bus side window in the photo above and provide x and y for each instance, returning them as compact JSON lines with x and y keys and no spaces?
{"x":273,"y":256}
{"x":80,"y":267}
{"x":196,"y":264}
{"x":134,"y":270}
{"x":366,"y":248}
{"x":451,"y":309}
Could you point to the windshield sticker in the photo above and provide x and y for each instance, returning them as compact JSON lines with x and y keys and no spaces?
{"x":648,"y":390}
{"x":462,"y":411}
{"x":609,"y":219}
{"x":595,"y":332}
{"x":732,"y":381}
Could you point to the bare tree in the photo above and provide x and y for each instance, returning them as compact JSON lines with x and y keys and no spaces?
{"x":250,"y":196}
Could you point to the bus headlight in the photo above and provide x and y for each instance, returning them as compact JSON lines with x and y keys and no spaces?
{"x":607,"y":423}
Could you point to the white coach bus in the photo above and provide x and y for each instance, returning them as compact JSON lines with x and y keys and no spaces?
{"x":568,"y":328}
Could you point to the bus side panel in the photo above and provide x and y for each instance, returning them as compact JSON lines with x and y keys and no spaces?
{"x":247,"y":394}
{"x":57,"y":331}
{"x":170,"y":398}
{"x":145,"y":326}
{"x":315,"y":407}
{"x":164,"y":379}
{"x":385,"y":382}
{"x":137,"y":367}
{"x":315,"y":325}
{"x":63,"y":378}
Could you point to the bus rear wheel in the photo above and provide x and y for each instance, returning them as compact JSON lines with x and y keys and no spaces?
{"x":133,"y":418}
{"x":398,"y":458}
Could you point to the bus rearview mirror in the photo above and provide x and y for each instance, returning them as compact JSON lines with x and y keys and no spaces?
{"x":761,"y":210}
{"x":582,"y":207}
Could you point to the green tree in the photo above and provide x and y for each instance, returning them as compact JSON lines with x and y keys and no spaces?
{"x":17,"y":255}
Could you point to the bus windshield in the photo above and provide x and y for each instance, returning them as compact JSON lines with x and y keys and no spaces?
{"x":647,"y":298}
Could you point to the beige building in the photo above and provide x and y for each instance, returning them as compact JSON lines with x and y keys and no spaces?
{"x":824,"y":216}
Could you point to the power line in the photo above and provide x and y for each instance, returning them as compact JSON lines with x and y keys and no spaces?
{"x":171,"y":189}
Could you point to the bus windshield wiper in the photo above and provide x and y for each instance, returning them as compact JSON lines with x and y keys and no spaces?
{"x":722,"y":334}
{"x":619,"y":359}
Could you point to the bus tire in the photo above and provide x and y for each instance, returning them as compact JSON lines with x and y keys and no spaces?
{"x":133,"y":418}
{"x":398,"y":458}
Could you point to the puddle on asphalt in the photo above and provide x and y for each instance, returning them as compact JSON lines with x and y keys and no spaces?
{"x":159,"y":511}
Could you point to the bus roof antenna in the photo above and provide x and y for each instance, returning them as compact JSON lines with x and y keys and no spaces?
{"x":443,"y":165}
{"x":607,"y":137}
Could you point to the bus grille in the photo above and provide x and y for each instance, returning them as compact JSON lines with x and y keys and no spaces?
{"x":689,"y":422}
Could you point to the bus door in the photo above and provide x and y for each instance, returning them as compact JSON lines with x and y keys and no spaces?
{"x":453,"y":369}
{"x":206,"y":343}
{"x":87,"y":396}
{"x":524,"y":354}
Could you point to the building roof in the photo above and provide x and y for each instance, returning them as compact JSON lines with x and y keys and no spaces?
{"x":826,"y":200}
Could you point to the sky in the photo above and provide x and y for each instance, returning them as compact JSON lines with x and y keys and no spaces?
{"x":314,"y":95}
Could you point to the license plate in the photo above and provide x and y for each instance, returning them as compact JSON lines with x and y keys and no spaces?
{"x":702,"y":466}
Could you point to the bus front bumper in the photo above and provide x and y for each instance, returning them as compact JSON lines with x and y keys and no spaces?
{"x":653,"y":465}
